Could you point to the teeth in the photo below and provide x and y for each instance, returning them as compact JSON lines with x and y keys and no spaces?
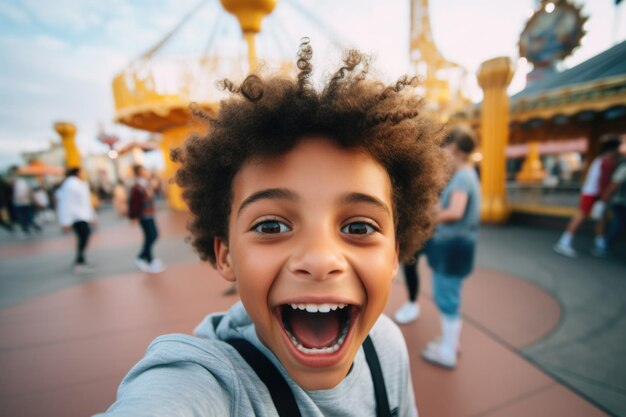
{"x":318,"y":308}
{"x":324,"y":308}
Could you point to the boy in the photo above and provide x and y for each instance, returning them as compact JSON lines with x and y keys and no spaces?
{"x":306,"y":199}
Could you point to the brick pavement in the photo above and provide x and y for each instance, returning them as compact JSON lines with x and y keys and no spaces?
{"x":69,"y":340}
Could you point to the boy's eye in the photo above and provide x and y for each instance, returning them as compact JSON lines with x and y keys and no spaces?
{"x":358,"y":228}
{"x":271,"y":227}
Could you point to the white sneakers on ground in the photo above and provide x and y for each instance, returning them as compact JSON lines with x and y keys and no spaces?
{"x":437,"y":354}
{"x":154,"y":267}
{"x":565,"y":250}
{"x":443,"y":352}
{"x":568,"y":251}
{"x":408,"y":313}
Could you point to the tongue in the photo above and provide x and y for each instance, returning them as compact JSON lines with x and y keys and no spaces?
{"x":315,"y":330}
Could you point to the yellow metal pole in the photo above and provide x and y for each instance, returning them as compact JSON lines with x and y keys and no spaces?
{"x":250,"y":14}
{"x":252,"y":61}
{"x":67,"y":131}
{"x":173,"y":138}
{"x":494,"y":76}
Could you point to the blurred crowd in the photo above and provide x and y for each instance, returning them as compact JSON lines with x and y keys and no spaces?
{"x":28,"y":203}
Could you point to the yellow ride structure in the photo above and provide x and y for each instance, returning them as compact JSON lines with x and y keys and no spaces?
{"x":155,"y":96}
{"x":443,"y":80}
{"x":444,"y":91}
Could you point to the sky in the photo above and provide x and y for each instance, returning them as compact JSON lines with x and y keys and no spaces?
{"x":58,"y":57}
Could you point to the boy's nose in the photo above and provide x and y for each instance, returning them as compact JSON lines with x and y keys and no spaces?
{"x":318,"y":257}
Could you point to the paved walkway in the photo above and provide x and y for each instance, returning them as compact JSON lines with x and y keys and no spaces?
{"x":543,"y":335}
{"x":587,"y":349}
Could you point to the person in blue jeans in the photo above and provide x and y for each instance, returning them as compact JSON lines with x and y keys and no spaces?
{"x":141,"y":208}
{"x":450,"y":252}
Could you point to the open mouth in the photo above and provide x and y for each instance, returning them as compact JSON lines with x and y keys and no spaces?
{"x":317,"y":329}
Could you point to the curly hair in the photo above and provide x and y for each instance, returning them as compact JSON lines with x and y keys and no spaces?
{"x":267,"y":117}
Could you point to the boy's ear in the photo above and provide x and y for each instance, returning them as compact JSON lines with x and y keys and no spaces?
{"x":223,"y":260}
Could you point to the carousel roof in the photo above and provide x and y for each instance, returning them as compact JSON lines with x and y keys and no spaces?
{"x":596,"y":85}
{"x":608,"y":64}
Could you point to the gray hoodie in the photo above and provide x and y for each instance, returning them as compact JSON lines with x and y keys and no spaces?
{"x":201,"y":375}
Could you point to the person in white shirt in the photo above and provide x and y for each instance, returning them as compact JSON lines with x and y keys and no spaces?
{"x":75,"y":212}
{"x":23,"y":203}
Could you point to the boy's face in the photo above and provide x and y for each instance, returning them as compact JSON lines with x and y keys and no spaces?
{"x":312,"y":247}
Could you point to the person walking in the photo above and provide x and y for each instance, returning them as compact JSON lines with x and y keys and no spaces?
{"x":450,"y":252}
{"x":141,"y":208}
{"x":23,"y":203}
{"x":614,"y":197}
{"x":75,"y":212}
{"x":597,"y":179}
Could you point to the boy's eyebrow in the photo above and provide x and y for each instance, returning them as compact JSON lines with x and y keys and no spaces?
{"x":271,"y":194}
{"x":351,"y":198}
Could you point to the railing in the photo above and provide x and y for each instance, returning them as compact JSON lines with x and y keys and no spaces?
{"x":561,"y":199}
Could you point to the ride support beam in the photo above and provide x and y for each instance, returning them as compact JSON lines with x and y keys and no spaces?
{"x":494,"y":76}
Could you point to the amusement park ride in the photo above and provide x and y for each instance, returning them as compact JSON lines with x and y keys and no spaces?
{"x":144,"y":101}
{"x":154,"y":94}
{"x":443,"y":81}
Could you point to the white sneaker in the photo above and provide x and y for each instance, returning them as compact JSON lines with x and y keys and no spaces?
{"x":437,"y":355}
{"x":156,"y":266}
{"x":142,"y":264}
{"x":409,"y":312}
{"x":565,"y":250}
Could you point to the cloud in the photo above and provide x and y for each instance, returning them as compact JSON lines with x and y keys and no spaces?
{"x":74,"y":84}
{"x":50,"y":42}
{"x":13,"y":12}
{"x":52,"y":74}
{"x":71,"y":15}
